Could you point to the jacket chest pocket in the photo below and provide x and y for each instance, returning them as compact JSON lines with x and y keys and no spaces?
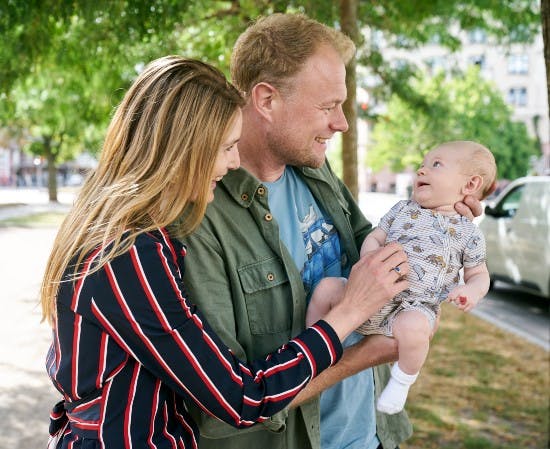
{"x":267,"y":295}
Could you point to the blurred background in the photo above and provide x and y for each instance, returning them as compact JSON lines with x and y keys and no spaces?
{"x":425,"y":72}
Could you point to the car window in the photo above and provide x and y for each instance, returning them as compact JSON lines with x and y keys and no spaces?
{"x":508,"y":206}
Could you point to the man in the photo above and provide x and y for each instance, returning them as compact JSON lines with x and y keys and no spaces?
{"x":280,"y":224}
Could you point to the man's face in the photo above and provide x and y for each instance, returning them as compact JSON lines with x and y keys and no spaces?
{"x":311,"y":112}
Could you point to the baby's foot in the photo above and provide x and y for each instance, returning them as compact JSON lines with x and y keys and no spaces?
{"x":393,"y":398}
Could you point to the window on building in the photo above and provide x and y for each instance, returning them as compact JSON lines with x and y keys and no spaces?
{"x":436,"y":64}
{"x":478,"y":60}
{"x":400,"y":64}
{"x":377,"y":39}
{"x":477,"y":37}
{"x":435,"y":39}
{"x":518,"y":64}
{"x":517,"y":96}
{"x":520,"y":33}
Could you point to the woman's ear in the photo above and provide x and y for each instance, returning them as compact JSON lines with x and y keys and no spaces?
{"x":262,"y":98}
{"x":473,"y":185}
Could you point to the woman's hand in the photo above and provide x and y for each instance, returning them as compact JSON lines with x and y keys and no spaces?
{"x":374,"y":280}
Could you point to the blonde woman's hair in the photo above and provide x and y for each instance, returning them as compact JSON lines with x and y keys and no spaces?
{"x":477,"y":160}
{"x":276,"y":47}
{"x":156,"y":165}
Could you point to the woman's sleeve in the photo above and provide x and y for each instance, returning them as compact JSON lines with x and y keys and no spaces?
{"x":144,"y":308}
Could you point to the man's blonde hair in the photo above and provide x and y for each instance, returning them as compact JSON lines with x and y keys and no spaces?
{"x":156,"y":163}
{"x":276,"y":47}
{"x":477,"y":160}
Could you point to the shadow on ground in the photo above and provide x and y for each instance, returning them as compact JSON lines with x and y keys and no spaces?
{"x":24,"y":411}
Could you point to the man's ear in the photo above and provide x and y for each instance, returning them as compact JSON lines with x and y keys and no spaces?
{"x":262,"y":97}
{"x":473,"y":185}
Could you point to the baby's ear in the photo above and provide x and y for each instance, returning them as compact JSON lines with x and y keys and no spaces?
{"x":473,"y":185}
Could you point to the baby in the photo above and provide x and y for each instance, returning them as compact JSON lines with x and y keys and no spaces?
{"x":438,"y":242}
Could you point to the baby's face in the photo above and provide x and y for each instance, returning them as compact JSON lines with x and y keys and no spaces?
{"x":440,"y":179}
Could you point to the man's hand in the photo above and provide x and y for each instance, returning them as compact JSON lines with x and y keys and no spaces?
{"x":470,"y":208}
{"x":373,"y":281}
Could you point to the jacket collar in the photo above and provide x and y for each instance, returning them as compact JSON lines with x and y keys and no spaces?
{"x":242,"y":185}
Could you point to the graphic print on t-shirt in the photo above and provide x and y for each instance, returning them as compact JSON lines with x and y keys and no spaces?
{"x":322,"y":248}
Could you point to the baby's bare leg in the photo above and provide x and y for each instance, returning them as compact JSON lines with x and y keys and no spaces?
{"x":412,"y":331}
{"x":327,"y":294}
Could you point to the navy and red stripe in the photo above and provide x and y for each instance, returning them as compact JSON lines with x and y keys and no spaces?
{"x":128,"y":331}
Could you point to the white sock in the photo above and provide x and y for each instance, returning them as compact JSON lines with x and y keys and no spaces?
{"x":392,"y":400}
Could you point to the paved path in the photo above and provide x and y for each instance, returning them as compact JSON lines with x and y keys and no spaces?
{"x":26,"y":394}
{"x":525,"y":315}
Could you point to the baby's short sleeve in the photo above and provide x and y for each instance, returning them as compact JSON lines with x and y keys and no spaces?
{"x":474,"y":251}
{"x":387,"y":220}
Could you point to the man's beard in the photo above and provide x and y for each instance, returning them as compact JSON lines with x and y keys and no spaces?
{"x":284,"y":150}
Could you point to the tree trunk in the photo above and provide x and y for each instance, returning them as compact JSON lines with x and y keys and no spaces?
{"x":348,"y":20}
{"x":52,"y":170}
{"x":545,"y":16}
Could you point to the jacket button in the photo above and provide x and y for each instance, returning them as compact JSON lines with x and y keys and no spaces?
{"x":261,"y":191}
{"x":344,"y":259}
{"x":244,"y":197}
{"x":268,"y":217}
{"x":270,"y":276}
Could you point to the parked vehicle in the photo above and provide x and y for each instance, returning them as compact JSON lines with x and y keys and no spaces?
{"x":516,"y":226}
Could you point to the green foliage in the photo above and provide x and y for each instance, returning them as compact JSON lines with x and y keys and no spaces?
{"x":465,"y":107}
{"x":405,"y":24}
{"x":334,"y":154}
{"x":64,"y":64}
{"x":59,"y":108}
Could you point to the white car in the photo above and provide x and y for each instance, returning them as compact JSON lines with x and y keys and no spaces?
{"x":516,"y":227}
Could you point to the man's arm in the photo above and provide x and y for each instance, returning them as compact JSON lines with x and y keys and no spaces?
{"x":371,"y":351}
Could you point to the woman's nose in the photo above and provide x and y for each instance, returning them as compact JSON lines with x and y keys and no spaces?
{"x":234,"y":159}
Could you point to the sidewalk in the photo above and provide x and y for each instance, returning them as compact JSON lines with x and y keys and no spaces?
{"x":18,"y":202}
{"x":26,"y":393}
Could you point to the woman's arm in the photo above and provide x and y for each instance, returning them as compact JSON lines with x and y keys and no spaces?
{"x":140,"y":302}
{"x":370,"y":351}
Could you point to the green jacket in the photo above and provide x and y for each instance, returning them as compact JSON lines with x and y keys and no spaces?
{"x":246,"y":284}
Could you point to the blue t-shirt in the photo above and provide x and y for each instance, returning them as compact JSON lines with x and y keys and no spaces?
{"x":309,"y":236}
{"x":348,"y":419}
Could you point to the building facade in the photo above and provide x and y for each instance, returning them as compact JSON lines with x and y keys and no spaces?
{"x":518,"y":71}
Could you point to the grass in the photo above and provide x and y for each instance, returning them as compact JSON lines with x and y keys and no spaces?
{"x":7,"y":205}
{"x":38,"y":220}
{"x":481,"y":388}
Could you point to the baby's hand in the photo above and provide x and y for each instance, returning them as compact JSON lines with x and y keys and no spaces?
{"x":463,"y":298}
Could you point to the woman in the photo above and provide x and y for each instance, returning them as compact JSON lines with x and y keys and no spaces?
{"x":129,"y":349}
